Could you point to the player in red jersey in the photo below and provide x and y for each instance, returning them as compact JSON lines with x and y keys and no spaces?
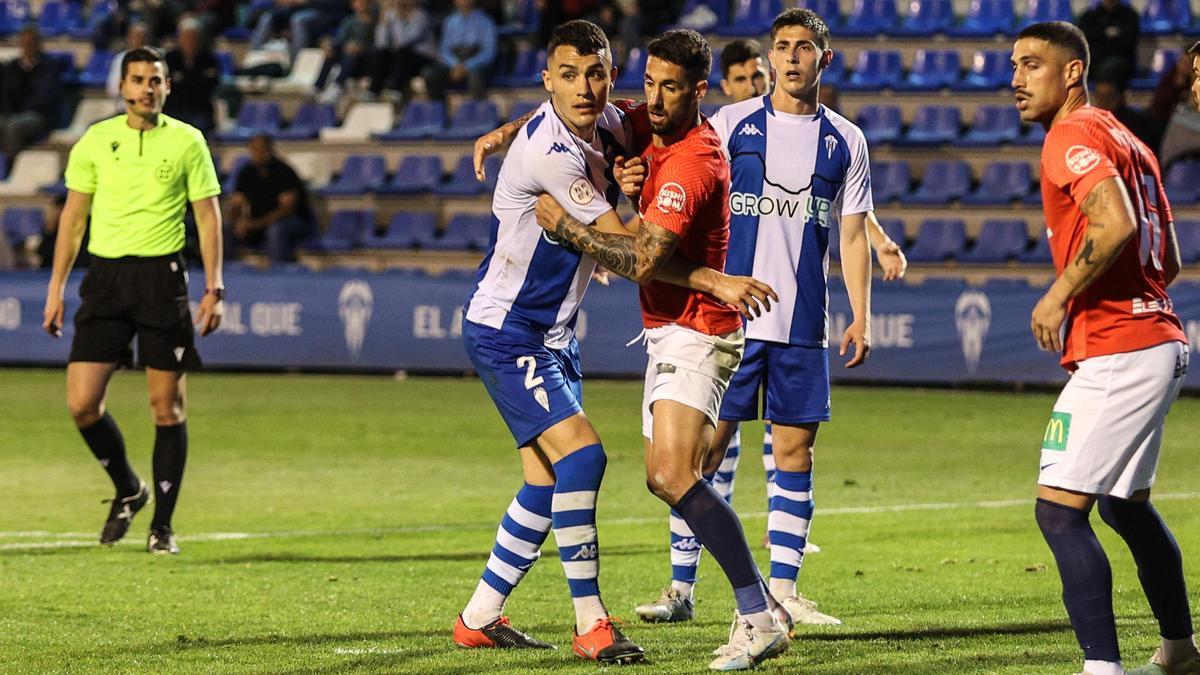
{"x":1114,"y":249}
{"x":694,"y":342}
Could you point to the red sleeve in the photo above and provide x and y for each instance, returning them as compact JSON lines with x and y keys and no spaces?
{"x":639,"y":123}
{"x":1076,"y":160}
{"x":684,"y":183}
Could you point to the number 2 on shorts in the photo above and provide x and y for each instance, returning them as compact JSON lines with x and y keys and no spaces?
{"x":530,"y":365}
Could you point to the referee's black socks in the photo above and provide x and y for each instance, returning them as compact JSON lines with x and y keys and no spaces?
{"x":170,"y":456}
{"x":105,"y":441}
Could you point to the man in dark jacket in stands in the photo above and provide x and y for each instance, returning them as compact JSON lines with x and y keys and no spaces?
{"x":32,"y":95}
{"x":1111,"y":29}
{"x":270,"y":204}
{"x":195,"y":74}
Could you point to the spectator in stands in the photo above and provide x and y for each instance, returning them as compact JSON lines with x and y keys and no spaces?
{"x":645,"y":18}
{"x":404,"y":45}
{"x":303,"y":20}
{"x":350,"y":49}
{"x":270,"y":204}
{"x":136,"y":37}
{"x":1173,"y":107}
{"x":1108,"y":91}
{"x":32,"y":94}
{"x":467,"y":52}
{"x":215,"y":15}
{"x":1111,"y":29}
{"x":45,"y":250}
{"x":195,"y":75}
{"x":553,"y":13}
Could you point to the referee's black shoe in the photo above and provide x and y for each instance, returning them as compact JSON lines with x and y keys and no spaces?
{"x":162,"y":540}
{"x":122,"y":513}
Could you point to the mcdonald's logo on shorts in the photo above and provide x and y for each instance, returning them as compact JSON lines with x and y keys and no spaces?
{"x":1057,"y":432}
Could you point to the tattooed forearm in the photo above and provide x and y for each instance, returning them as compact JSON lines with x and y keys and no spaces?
{"x":1110,"y":224}
{"x":635,"y":258}
{"x":1085,"y":256}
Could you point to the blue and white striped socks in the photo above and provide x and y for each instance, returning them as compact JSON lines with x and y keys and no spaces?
{"x":578,"y":477}
{"x":787,"y":526}
{"x":723,"y":480}
{"x":518,"y":546}
{"x":769,"y":461}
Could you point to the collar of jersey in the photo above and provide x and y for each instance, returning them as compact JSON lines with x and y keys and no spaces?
{"x":124,"y":117}
{"x":792,"y":117}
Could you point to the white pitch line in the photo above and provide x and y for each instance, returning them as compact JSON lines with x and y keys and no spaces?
{"x":74,"y":539}
{"x":359,"y":651}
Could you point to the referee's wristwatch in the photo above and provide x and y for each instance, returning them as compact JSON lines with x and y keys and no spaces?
{"x":218,"y":292}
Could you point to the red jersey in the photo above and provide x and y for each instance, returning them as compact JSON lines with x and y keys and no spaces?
{"x":1127,"y":308}
{"x":687,"y":192}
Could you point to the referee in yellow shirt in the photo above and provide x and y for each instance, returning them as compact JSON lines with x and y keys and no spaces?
{"x":135,"y":174}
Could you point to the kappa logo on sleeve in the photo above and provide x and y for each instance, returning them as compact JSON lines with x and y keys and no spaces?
{"x":582,"y":192}
{"x":671,"y":198}
{"x":1082,"y":159}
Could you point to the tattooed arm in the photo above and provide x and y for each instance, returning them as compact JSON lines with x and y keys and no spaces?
{"x":1111,"y":223}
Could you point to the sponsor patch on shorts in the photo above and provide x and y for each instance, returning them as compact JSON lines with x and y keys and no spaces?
{"x":1057,"y":432}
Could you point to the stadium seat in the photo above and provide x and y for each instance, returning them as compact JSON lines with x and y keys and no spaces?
{"x":1187,"y":235}
{"x":88,"y":112}
{"x":1048,"y":10}
{"x":254,"y":117}
{"x":875,"y":70}
{"x":933,"y":69}
{"x":230,"y":180}
{"x":750,"y":18}
{"x":985,"y":18}
{"x":416,"y":175}
{"x":314,"y":168}
{"x":14,"y":14}
{"x":1161,"y":63}
{"x":1002,"y":183}
{"x":933,"y":125}
{"x":97,"y":14}
{"x":526,"y":69}
{"x":225,"y":64}
{"x":704,"y":16}
{"x":890,"y":181}
{"x":473,"y":119}
{"x":3,"y":166}
{"x":894,"y":227}
{"x":870,"y":18}
{"x":462,"y":181}
{"x":1034,"y":135}
{"x":926,"y":18}
{"x":634,"y":72}
{"x":347,"y":231}
{"x":942,"y":182}
{"x":519,"y":108}
{"x":309,"y":120}
{"x":31,"y":170}
{"x":999,"y":241}
{"x":990,"y":70}
{"x":405,"y":230}
{"x":422,"y":119}
{"x":1039,"y":254}
{"x":59,"y":18}
{"x":21,"y":223}
{"x":1166,"y":17}
{"x":1182,"y":182}
{"x":359,"y":175}
{"x":880,"y":123}
{"x":464,"y":232}
{"x":95,"y":72}
{"x":835,"y":74}
{"x":993,"y":125}
{"x":938,"y":241}
{"x":363,"y":120}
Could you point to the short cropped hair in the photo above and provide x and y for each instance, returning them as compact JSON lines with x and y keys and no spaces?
{"x":142,"y":55}
{"x":805,"y":18}
{"x":585,"y":36}
{"x":684,"y":47}
{"x":1061,"y":34}
{"x":739,"y":51}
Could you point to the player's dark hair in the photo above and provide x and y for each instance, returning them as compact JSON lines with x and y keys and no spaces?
{"x":585,"y":36}
{"x":686,"y":48}
{"x":142,"y":55}
{"x":1194,"y":50}
{"x":805,"y":18}
{"x":1063,"y":35}
{"x":739,"y":51}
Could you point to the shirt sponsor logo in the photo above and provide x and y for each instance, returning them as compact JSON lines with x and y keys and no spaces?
{"x":582,"y":192}
{"x":749,"y":129}
{"x":558,"y":147}
{"x":671,"y":198}
{"x":1081,"y":159}
{"x":749,"y":204}
{"x":1140,"y":306}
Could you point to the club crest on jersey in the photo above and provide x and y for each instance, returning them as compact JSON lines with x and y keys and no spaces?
{"x":831,"y":144}
{"x":582,"y":192}
{"x":750,"y":129}
{"x":1082,"y":159}
{"x":671,"y":198}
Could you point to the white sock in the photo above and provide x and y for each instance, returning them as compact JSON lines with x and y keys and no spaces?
{"x":1103,"y":668}
{"x":782,"y":588}
{"x":685,"y":588}
{"x":1176,"y":651}
{"x":588,"y":611}
{"x":761,"y":620}
{"x":485,"y":606}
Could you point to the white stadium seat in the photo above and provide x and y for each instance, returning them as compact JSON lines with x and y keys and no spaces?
{"x":303,"y":77}
{"x":32,"y":170}
{"x":89,"y":111}
{"x":363,"y":120}
{"x":313,"y":167}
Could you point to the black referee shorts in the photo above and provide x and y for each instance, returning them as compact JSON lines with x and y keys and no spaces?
{"x":144,"y":297}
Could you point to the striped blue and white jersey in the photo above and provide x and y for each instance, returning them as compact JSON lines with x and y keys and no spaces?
{"x":793,"y":178}
{"x":529,"y":281}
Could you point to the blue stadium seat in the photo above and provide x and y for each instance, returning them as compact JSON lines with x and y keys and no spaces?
{"x":926,"y":18}
{"x":421,"y":120}
{"x":993,"y":125}
{"x":1187,"y":235}
{"x":634,"y":73}
{"x":1161,"y":63}
{"x":230,"y":182}
{"x":416,"y":175}
{"x":254,"y":117}
{"x":225,"y":64}
{"x":59,"y":18}
{"x":21,"y":223}
{"x":750,"y":18}
{"x":999,"y":241}
{"x":3,"y":167}
{"x":405,"y":230}
{"x":1048,"y":10}
{"x":472,"y":120}
{"x":1001,"y":183}
{"x":880,"y":123}
{"x":519,"y":108}
{"x":462,"y":181}
{"x":938,"y":241}
{"x":894,"y":227}
{"x":990,"y":70}
{"x":347,"y":231}
{"x":870,"y":18}
{"x":933,"y":125}
{"x":14,"y":14}
{"x":835,"y":74}
{"x":1166,"y":17}
{"x":526,"y":69}
{"x":985,"y":18}
{"x":1182,"y":182}
{"x":95,"y":73}
{"x":890,"y":181}
{"x":1034,"y":136}
{"x":359,"y":175}
{"x":1039,"y":254}
{"x":464,"y":232}
{"x":875,"y":70}
{"x":310,"y":119}
{"x":942,"y":182}
{"x":932,"y":70}
{"x":97,"y":14}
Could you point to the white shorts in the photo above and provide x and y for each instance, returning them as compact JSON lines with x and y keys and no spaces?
{"x":689,"y":367}
{"x":1106,"y":430}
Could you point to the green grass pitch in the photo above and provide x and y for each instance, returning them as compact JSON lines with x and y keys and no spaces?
{"x":337,"y":524}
